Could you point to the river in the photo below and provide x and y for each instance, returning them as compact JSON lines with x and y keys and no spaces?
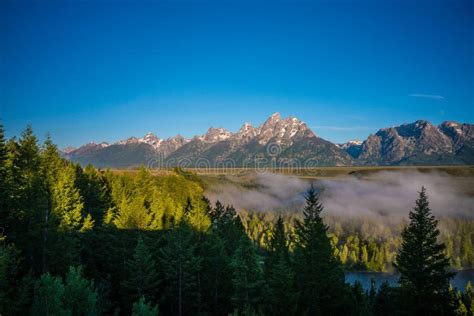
{"x":459,"y":281}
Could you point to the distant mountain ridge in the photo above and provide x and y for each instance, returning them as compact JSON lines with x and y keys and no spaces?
{"x":287,"y":142}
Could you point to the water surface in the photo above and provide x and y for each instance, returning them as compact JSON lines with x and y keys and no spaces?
{"x":459,"y":281}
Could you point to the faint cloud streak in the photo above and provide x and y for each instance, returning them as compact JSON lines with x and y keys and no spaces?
{"x":427,"y":96}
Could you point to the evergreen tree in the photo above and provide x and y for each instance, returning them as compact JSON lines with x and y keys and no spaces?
{"x":142,"y":277}
{"x":4,"y":186}
{"x":372,"y":292}
{"x":384,"y":301}
{"x":215,"y":276}
{"x":133,"y":214}
{"x":49,"y":294}
{"x":28,"y":198}
{"x":9,"y":266}
{"x":69,"y":219}
{"x":228,"y":226}
{"x":180,"y":267}
{"x":80,"y":297}
{"x":468,"y":299}
{"x":51,"y":165}
{"x":217,"y":212}
{"x":319,"y":276}
{"x":142,"y":308}
{"x":94,"y":191}
{"x":423,"y":265}
{"x":280,"y":297}
{"x":247,"y":277}
{"x":51,"y":162}
{"x":67,"y":203}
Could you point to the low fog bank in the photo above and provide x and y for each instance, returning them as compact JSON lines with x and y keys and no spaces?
{"x":385,"y":193}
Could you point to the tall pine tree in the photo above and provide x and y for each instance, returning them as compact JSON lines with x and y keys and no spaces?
{"x":319,"y":276}
{"x":280,"y":296}
{"x":4,"y":187}
{"x":247,"y":277}
{"x":142,"y":277}
{"x":180,"y":266}
{"x":423,"y":265}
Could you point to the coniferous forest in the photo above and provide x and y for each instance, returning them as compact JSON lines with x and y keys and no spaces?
{"x":82,"y":241}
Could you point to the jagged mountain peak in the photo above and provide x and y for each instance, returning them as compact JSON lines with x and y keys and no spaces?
{"x":455,"y":127}
{"x":245,"y":127}
{"x":177,"y":137}
{"x":276,"y":116}
{"x":419,"y":142}
{"x":216,"y":135}
{"x":69,"y":149}
{"x":283,"y":130}
{"x":408,"y":143}
{"x":352,"y":142}
{"x":151,"y":139}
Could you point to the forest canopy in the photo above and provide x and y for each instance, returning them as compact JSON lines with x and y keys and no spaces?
{"x":83,"y":241}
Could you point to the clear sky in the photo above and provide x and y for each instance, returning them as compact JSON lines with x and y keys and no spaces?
{"x":92,"y":71}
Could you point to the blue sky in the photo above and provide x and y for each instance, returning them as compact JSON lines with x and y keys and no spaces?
{"x":84,"y":70}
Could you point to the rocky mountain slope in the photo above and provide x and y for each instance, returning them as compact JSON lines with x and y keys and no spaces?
{"x":418,"y":143}
{"x":287,"y":142}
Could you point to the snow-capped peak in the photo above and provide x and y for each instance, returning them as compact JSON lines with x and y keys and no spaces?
{"x":69,"y":149}
{"x":216,"y":135}
{"x":351,"y":143}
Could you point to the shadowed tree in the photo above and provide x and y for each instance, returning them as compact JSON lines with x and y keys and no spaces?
{"x":142,"y":308}
{"x":180,"y":267}
{"x":80,"y":297}
{"x":280,"y":296}
{"x":142,"y":276}
{"x":49,"y":294}
{"x":319,"y":275}
{"x":247,"y":277}
{"x":423,"y":265}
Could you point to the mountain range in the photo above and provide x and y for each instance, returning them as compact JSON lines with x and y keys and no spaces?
{"x":285,"y":142}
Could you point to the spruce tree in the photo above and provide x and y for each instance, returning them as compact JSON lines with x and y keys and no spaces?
{"x":215,"y":275}
{"x":49,"y":295}
{"x":280,"y":296}
{"x":4,"y":187}
{"x":51,"y":165}
{"x":468,"y":299}
{"x":80,"y":296}
{"x":423,"y":266}
{"x":384,"y":300}
{"x":142,"y":276}
{"x":319,"y":276}
{"x":67,"y":203}
{"x":142,"y":308}
{"x":95,"y":192}
{"x":9,"y":266}
{"x":247,"y":277}
{"x":28,"y":200}
{"x":180,"y":266}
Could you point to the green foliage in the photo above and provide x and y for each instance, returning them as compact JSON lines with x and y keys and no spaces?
{"x":180,"y":268}
{"x":247,"y":277}
{"x":80,"y":296}
{"x":142,"y":278}
{"x":149,"y":239}
{"x":423,"y":265}
{"x":384,"y":301}
{"x":279,"y":276}
{"x":467,"y":299}
{"x":76,"y":297}
{"x":67,"y":203}
{"x":319,"y":276}
{"x":9,"y":266}
{"x":49,"y":295}
{"x":142,"y":308}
